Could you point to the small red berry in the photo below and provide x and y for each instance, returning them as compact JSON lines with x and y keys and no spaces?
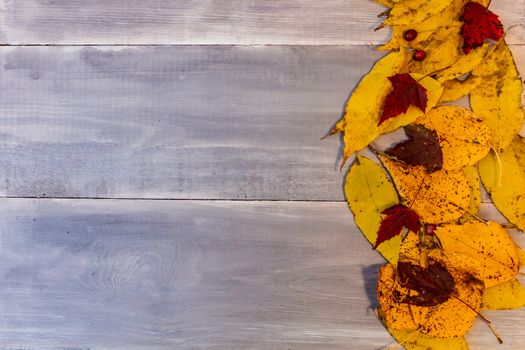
{"x":410,"y":34}
{"x":419,"y":55}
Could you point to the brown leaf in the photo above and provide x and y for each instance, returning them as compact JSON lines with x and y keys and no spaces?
{"x":421,"y":148}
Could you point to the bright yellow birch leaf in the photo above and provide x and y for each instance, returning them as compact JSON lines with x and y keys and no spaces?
{"x":369,"y":191}
{"x":506,"y":184}
{"x":414,"y":340}
{"x":365,"y":105}
{"x":494,"y":256}
{"x":497,"y":100}
{"x":455,"y":89}
{"x":504,"y":296}
{"x":438,"y":197}
{"x":463,"y":139}
{"x":451,"y":318}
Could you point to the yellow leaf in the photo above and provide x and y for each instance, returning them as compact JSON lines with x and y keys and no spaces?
{"x":494,"y":256}
{"x":497,"y":99}
{"x":463,"y":65}
{"x":521,"y":255}
{"x":455,"y":89}
{"x":365,"y":105}
{"x":504,"y":296}
{"x":506,"y":184}
{"x":414,"y":11}
{"x":369,"y":191}
{"x":414,"y":340}
{"x":387,"y":3}
{"x":451,"y":318}
{"x":472,"y":175}
{"x":463,"y":139}
{"x":498,"y":61}
{"x":437,"y":197}
{"x":442,"y":50}
{"x":425,"y":28}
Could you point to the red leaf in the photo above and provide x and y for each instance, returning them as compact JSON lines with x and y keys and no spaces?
{"x":434,"y":284}
{"x":397,"y":217}
{"x":479,"y":24}
{"x":421,"y":148}
{"x":406,"y":92}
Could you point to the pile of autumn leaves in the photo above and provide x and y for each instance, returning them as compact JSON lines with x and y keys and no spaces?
{"x":445,"y":263}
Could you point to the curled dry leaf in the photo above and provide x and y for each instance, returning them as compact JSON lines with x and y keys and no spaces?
{"x":369,"y":192}
{"x":438,"y":197}
{"x":479,"y":24}
{"x":421,"y":148}
{"x":492,"y":255}
{"x":396,"y":217}
{"x":504,"y":179}
{"x":504,"y":296}
{"x":497,"y":99}
{"x":463,"y":138}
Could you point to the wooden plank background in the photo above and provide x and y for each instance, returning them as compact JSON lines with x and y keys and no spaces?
{"x":163,"y":184}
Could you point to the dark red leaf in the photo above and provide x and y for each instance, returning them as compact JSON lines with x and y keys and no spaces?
{"x":433,"y":284}
{"x":397,"y":217}
{"x":479,"y":24}
{"x":421,"y":148}
{"x":406,"y":92}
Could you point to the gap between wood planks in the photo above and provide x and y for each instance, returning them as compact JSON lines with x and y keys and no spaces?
{"x":178,"y":199}
{"x":371,"y":44}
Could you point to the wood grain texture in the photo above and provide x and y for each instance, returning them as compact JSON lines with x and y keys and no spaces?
{"x":118,"y":274}
{"x":178,"y":122}
{"x":187,"y":122}
{"x":274,"y":22}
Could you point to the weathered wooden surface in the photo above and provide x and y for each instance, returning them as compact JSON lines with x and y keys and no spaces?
{"x":195,"y":122}
{"x":244,"y":22}
{"x":119,"y":274}
{"x":177,"y":122}
{"x":189,"y":122}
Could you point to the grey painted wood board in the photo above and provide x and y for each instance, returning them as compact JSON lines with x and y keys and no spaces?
{"x":187,"y":122}
{"x":174,"y":122}
{"x":120,"y":274}
{"x":274,"y":22}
